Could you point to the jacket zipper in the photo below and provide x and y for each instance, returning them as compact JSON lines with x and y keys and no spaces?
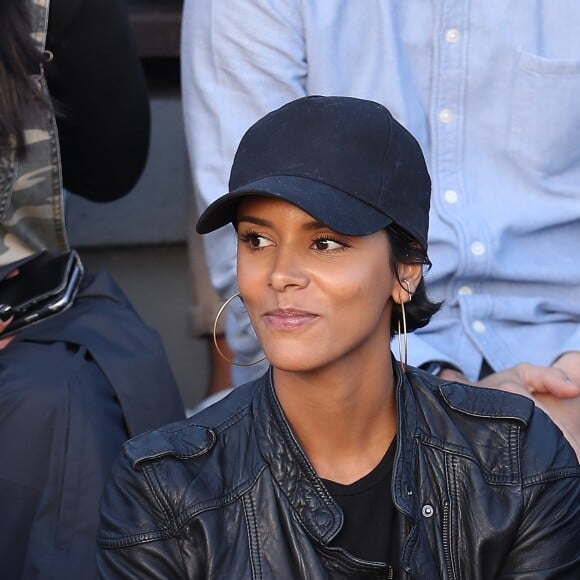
{"x":390,"y":573}
{"x":446,"y":542}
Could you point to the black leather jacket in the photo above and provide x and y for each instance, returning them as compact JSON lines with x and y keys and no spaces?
{"x":485,"y":484}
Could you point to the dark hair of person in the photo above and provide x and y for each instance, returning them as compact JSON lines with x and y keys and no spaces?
{"x":406,"y":250}
{"x":19,"y":58}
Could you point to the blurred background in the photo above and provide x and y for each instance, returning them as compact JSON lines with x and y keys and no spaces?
{"x":142,"y":238}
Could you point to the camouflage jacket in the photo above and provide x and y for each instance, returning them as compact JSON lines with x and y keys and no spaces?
{"x":31,"y":193}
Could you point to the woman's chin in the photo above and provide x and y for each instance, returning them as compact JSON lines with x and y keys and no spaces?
{"x":294,"y":361}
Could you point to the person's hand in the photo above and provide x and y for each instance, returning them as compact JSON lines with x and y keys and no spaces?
{"x":5,"y":320}
{"x":561,"y":380}
{"x":569,"y":363}
{"x":552,"y":390}
{"x":529,"y":380}
{"x":555,"y":390}
{"x":6,"y":315}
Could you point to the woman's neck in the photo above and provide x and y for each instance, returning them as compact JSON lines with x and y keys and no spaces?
{"x":344,"y":419}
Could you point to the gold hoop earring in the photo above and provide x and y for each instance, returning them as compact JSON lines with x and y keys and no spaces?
{"x":403,"y":342}
{"x":215,"y":323}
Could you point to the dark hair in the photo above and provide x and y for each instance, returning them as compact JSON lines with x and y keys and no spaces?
{"x":19,"y":58}
{"x":406,"y":250}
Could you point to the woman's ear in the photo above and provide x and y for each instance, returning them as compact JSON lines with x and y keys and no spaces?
{"x":409,"y":278}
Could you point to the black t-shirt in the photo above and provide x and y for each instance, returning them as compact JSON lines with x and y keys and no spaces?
{"x":369,"y":513}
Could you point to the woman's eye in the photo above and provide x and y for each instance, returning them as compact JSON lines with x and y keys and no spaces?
{"x":255,"y":240}
{"x":326,"y":244}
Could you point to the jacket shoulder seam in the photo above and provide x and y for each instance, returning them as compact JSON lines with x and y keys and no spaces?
{"x":551,"y":475}
{"x":231,"y":420}
{"x":217,"y":502}
{"x":175,"y":523}
{"x":459,"y":451}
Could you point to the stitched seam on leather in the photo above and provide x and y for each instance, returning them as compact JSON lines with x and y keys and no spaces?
{"x":167,"y":531}
{"x":232,"y":419}
{"x":409,"y":548}
{"x":151,"y":476}
{"x":475,"y":413}
{"x":302,"y":459}
{"x":172,"y":453}
{"x":514,"y":450}
{"x":451,"y":463}
{"x":181,"y":556}
{"x":490,"y":478}
{"x":304,"y":476}
{"x":254,"y":544}
{"x":162,"y":532}
{"x":553,"y":475}
{"x":218,"y":502}
{"x":432,"y":441}
{"x":133,"y":540}
{"x":297,"y":513}
{"x":297,"y":451}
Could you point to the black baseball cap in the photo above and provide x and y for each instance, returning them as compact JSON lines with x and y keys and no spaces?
{"x":345,"y":161}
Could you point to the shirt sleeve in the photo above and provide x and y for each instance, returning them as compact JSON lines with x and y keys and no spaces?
{"x":240,"y":60}
{"x":100,"y":95}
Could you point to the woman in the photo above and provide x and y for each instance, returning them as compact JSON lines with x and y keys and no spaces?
{"x":341,"y":462}
{"x":75,"y":386}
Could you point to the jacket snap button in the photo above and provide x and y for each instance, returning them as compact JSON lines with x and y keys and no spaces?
{"x":428,"y":510}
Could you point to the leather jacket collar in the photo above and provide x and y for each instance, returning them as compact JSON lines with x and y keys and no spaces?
{"x":291,"y":468}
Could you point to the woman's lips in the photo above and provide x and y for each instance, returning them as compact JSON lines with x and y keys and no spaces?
{"x":289,"y":319}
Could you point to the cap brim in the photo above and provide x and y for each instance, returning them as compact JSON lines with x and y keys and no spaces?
{"x":332,"y":207}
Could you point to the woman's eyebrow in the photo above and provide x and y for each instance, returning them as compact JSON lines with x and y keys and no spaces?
{"x":315,"y":225}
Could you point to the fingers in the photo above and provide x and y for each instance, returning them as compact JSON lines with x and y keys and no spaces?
{"x":449,"y":374}
{"x":569,"y":362}
{"x":5,"y":320}
{"x":550,"y":388}
{"x":530,"y":380}
{"x":548,"y":380}
{"x":5,"y":312}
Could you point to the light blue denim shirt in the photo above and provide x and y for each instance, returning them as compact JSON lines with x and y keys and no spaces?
{"x":492,"y":92}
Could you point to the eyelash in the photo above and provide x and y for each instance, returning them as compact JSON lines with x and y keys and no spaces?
{"x":248,"y":236}
{"x":330,"y":238}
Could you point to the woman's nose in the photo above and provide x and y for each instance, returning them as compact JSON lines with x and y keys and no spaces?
{"x":287,"y":271}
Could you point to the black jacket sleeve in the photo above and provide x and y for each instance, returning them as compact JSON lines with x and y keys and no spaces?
{"x":100,"y":93}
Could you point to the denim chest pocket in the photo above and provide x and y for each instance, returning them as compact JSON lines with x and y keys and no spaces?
{"x":545,"y":121}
